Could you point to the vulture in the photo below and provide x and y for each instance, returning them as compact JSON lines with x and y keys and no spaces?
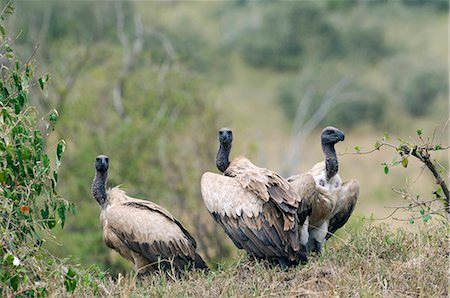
{"x":256,"y":207}
{"x":141,"y":231}
{"x":329,"y":201}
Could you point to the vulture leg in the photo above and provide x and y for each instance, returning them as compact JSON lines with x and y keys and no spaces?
{"x":317,"y":237}
{"x":285,"y":263}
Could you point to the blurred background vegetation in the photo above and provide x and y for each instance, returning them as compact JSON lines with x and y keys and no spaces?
{"x":149,"y":84}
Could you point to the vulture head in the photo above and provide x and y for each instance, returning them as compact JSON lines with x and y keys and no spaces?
{"x":102,"y":163}
{"x":225,"y":140}
{"x":225,"y":136}
{"x":331,"y":135}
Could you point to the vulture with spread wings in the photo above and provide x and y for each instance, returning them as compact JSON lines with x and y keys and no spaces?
{"x":141,"y":231}
{"x":257,"y":208}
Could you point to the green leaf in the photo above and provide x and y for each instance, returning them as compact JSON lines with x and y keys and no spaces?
{"x":357,"y":149}
{"x":70,"y":281}
{"x":422,"y":211}
{"x":53,"y":116}
{"x":411,"y":221}
{"x":14,"y":282}
{"x":51,"y":223}
{"x":8,"y":259}
{"x":386,"y":169}
{"x":42,"y":81}
{"x":60,"y":149}
{"x":419,"y":131}
{"x":377,"y":145}
{"x":2,"y":30}
{"x":437,"y":147}
{"x":45,"y":212}
{"x":62,"y":213}
{"x":426,"y":217}
{"x":405,"y":162}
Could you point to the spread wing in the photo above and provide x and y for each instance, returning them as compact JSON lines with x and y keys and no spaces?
{"x":149,"y":230}
{"x":252,"y":224}
{"x":267,"y":186}
{"x":348,"y":195}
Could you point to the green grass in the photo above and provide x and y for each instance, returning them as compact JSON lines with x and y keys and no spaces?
{"x":375,"y":261}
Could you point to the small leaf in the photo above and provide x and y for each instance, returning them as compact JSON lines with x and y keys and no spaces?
{"x":377,"y":145}
{"x":14,"y":282}
{"x":386,"y":169}
{"x":411,"y":221}
{"x":426,"y":217}
{"x":2,"y":30}
{"x":62,"y":214}
{"x":8,"y":259}
{"x":386,"y":136}
{"x":437,"y":147}
{"x":422,"y":211}
{"x":70,"y":281}
{"x":42,"y":81}
{"x":357,"y":149}
{"x":53,"y":116}
{"x":51,"y":223}
{"x":405,"y":162}
{"x":419,"y":132}
{"x":60,"y":149}
{"x":45,"y":212}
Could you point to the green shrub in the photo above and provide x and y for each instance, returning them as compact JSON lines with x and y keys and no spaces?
{"x":29,"y":203}
{"x":421,"y":92}
{"x":365,"y":43}
{"x":286,"y":32}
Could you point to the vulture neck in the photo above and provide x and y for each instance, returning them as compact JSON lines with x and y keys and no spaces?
{"x":222,"y":161}
{"x":331,"y":161}
{"x":99,"y":188}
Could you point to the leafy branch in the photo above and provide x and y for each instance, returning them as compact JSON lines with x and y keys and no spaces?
{"x":421,"y":150}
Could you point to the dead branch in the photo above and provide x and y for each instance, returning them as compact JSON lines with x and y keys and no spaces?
{"x":303,"y":127}
{"x":131,"y":51}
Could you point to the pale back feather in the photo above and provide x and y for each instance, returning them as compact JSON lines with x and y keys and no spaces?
{"x":143,"y":224}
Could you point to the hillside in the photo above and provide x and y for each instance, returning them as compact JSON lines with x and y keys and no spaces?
{"x":374,"y":261}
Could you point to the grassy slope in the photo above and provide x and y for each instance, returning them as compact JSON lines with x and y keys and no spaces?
{"x":374,"y":261}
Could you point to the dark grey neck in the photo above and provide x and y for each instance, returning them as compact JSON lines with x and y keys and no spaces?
{"x":331,"y":161}
{"x":222,"y":161}
{"x":99,"y":188}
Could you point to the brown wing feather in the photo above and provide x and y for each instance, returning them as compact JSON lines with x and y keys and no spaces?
{"x":251,"y":223}
{"x":267,"y":185}
{"x":348,"y":196}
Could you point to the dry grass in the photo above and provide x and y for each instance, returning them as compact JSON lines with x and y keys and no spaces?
{"x":375,"y":261}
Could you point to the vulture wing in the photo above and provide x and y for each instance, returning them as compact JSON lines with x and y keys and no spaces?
{"x":347,"y":197}
{"x":268,"y":186}
{"x":151,"y":231}
{"x":252,"y":223}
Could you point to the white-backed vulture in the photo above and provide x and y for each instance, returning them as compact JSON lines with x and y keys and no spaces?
{"x":141,"y":231}
{"x":330,"y":202}
{"x":255,"y":206}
